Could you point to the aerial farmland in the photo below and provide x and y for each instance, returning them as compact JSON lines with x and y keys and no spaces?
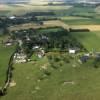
{"x":49,"y":51}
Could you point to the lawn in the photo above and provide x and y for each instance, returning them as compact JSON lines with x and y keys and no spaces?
{"x":5,"y":53}
{"x":90,"y":40}
{"x":68,"y":81}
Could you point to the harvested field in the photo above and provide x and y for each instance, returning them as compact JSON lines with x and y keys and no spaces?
{"x":55,"y":23}
{"x":89,"y":27}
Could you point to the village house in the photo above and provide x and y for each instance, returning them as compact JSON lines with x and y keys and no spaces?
{"x":41,"y":53}
{"x":20,"y":58}
{"x":35,"y":47}
{"x":73,"y":50}
{"x":12,"y":17}
{"x":9,"y":42}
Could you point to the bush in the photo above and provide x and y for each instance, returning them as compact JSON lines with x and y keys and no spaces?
{"x":57,"y":59}
{"x":47,"y":73}
{"x":54,"y":66}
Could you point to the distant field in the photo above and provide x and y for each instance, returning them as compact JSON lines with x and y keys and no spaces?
{"x":5,"y":53}
{"x":52,"y":23}
{"x":73,"y":18}
{"x":90,"y":40}
{"x":24,"y":8}
{"x":89,"y":27}
{"x":97,"y":10}
{"x":58,"y":23}
{"x":81,"y":21}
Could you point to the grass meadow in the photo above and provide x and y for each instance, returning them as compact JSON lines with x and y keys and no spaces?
{"x":90,"y":40}
{"x":5,"y":53}
{"x":70,"y":80}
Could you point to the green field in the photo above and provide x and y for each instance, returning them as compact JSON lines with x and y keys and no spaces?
{"x":5,"y":53}
{"x":63,"y":78}
{"x":90,"y":40}
{"x":69,"y":81}
{"x":81,"y":21}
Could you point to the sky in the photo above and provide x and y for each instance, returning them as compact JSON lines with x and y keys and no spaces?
{"x":42,"y":0}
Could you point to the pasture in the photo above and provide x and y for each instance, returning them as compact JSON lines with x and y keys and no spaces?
{"x":40,"y":80}
{"x":58,"y":75}
{"x":5,"y":53}
{"x":90,"y":40}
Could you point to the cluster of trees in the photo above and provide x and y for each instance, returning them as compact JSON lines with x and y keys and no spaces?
{"x":3,"y":26}
{"x":49,"y":13}
{"x":17,"y":20}
{"x":46,"y":38}
{"x":59,"y":39}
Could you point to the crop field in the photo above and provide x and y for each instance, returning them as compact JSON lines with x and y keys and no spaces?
{"x":5,"y":53}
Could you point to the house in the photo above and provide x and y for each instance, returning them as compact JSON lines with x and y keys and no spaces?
{"x":20,"y":42}
{"x":87,"y":54}
{"x":84,"y":59}
{"x":12,"y":17}
{"x":72,"y":51}
{"x":41,"y":53}
{"x":20,"y":58}
{"x":35,"y":47}
{"x":8,"y":44}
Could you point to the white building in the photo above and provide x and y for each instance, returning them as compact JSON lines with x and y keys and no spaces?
{"x":12,"y":17}
{"x":72,"y":51}
{"x":20,"y":58}
{"x":41,"y":53}
{"x":35,"y":47}
{"x":8,"y":44}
